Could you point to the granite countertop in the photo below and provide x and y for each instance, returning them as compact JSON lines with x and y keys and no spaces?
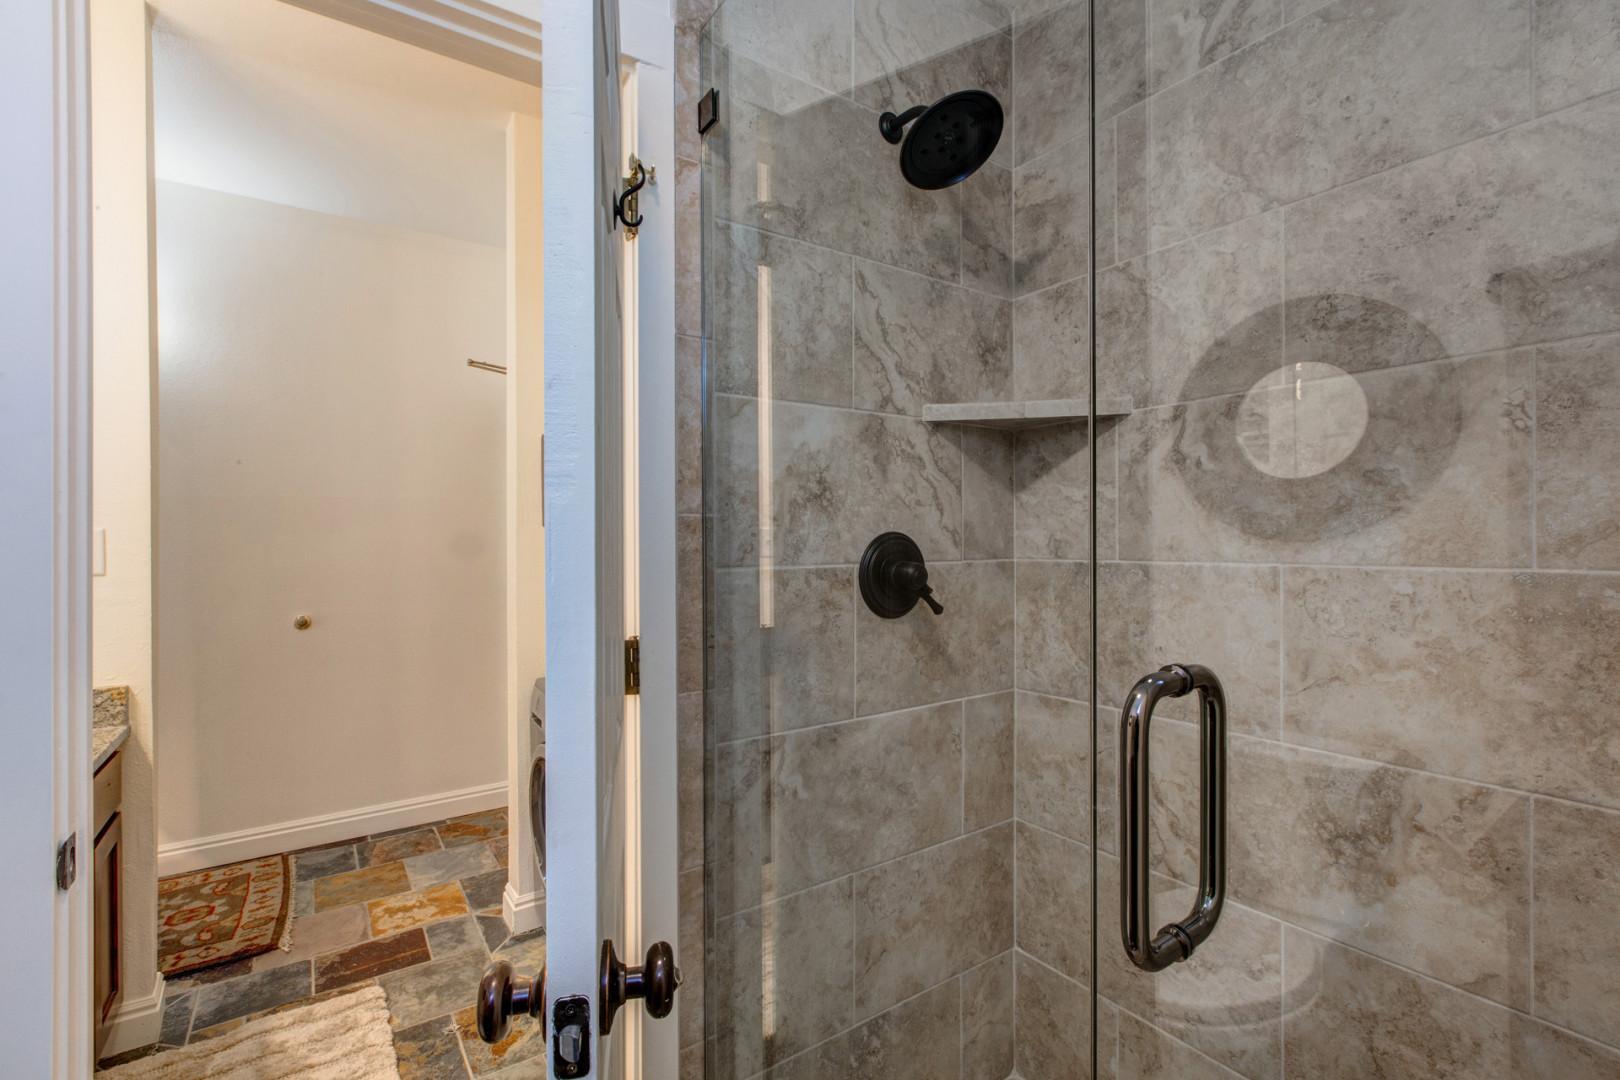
{"x":110,"y":725}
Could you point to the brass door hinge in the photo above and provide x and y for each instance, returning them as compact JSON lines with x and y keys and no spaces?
{"x":632,"y":665}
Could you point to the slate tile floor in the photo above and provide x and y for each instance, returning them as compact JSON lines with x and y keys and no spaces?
{"x":417,"y":912}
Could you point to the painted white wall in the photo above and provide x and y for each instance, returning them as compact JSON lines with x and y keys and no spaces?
{"x":524,"y":901}
{"x":324,"y":450}
{"x":123,"y":379}
{"x":263,"y":99}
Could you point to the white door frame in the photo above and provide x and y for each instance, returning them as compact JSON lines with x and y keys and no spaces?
{"x":45,"y":1027}
{"x":647,"y":42}
{"x":45,"y":350}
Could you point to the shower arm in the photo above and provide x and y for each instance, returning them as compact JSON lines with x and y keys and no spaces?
{"x":894,"y":127}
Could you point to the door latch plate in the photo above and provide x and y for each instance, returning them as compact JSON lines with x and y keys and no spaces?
{"x":571,"y":1037}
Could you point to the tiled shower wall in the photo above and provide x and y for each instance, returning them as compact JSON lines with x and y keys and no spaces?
{"x":860,"y":844}
{"x":1418,"y":644}
{"x":1411,"y":593}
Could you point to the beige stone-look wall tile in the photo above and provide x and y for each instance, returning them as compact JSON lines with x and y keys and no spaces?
{"x":987,"y":493}
{"x":1054,"y":1023}
{"x":1225,"y":1001}
{"x":737,"y":841}
{"x":1577,"y":51}
{"x":1051,"y":86}
{"x":1052,"y":649}
{"x":1054,"y":901}
{"x":806,"y":305}
{"x":987,"y":1020}
{"x":1122,"y":55}
{"x":1578,"y":454}
{"x":812,"y":42}
{"x":917,"y":1040}
{"x":688,"y":425}
{"x":688,"y":248}
{"x":927,"y":917}
{"x":1223,"y":617}
{"x":1134,"y":218}
{"x":1052,"y":628}
{"x":800,"y":809}
{"x":689,"y":19}
{"x":689,"y":779}
{"x":838,"y":479}
{"x":819,"y":172}
{"x":1352,"y":1016}
{"x":691,"y":956}
{"x":1106,"y":212}
{"x":1190,"y":35}
{"x":1050,"y":331}
{"x":731,"y":493}
{"x":1505,"y":241}
{"x":1147,"y":1053}
{"x":1577,"y":923}
{"x":1290,"y":117}
{"x":1440,"y":474}
{"x":1053,"y":764}
{"x":919,"y":341}
{"x":763,"y":1019}
{"x":689,"y":603}
{"x":1051,"y":217}
{"x":1195,"y":320}
{"x":922,"y":657}
{"x":987,"y":760}
{"x":792,"y":673}
{"x":1431,"y":873}
{"x":1052,"y":493}
{"x":1504,"y":678}
{"x":987,"y":229}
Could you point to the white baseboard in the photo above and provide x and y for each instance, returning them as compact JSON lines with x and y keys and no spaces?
{"x":135,"y":1022}
{"x":199,"y":854}
{"x":523,"y":912}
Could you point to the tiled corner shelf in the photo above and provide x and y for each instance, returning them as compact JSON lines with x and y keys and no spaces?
{"x":1018,"y":415}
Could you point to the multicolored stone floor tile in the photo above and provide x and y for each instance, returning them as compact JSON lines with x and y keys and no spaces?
{"x":415,"y":911}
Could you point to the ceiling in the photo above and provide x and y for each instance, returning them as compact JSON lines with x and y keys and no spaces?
{"x":263,"y":99}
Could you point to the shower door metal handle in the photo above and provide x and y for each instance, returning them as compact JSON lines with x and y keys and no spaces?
{"x":1175,"y":941}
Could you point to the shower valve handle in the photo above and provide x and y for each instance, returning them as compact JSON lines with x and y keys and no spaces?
{"x":913,"y":576}
{"x":894,"y":577}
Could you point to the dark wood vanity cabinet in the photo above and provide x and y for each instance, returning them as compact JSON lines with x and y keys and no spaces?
{"x":106,"y":879}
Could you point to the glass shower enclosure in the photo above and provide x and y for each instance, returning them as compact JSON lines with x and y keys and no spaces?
{"x":1276,"y":342}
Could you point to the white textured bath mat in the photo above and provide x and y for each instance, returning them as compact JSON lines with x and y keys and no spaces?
{"x":346,"y":1038}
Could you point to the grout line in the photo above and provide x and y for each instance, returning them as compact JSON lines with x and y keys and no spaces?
{"x":863,"y":869}
{"x":1480,"y":998}
{"x":1371,"y":568}
{"x":1308,"y":748}
{"x":1282,"y":1000}
{"x":1535,"y":458}
{"x":772,"y":1068}
{"x":1532,"y":928}
{"x":1282,"y":653}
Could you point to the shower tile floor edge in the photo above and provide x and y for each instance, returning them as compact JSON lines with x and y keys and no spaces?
{"x":416,"y":911}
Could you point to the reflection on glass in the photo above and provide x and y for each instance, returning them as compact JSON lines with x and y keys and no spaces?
{"x":1302,"y":420}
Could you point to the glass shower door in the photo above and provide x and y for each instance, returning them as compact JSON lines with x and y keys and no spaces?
{"x":1357,"y":288}
{"x":1347,"y":440}
{"x":868,"y":374}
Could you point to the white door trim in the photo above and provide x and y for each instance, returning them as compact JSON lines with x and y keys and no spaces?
{"x":45,"y":1025}
{"x":647,"y":41}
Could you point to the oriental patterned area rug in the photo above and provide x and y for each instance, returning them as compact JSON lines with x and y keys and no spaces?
{"x":346,"y":1038}
{"x":222,"y":914}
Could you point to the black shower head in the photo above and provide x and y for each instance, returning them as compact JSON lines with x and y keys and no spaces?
{"x":949,"y":140}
